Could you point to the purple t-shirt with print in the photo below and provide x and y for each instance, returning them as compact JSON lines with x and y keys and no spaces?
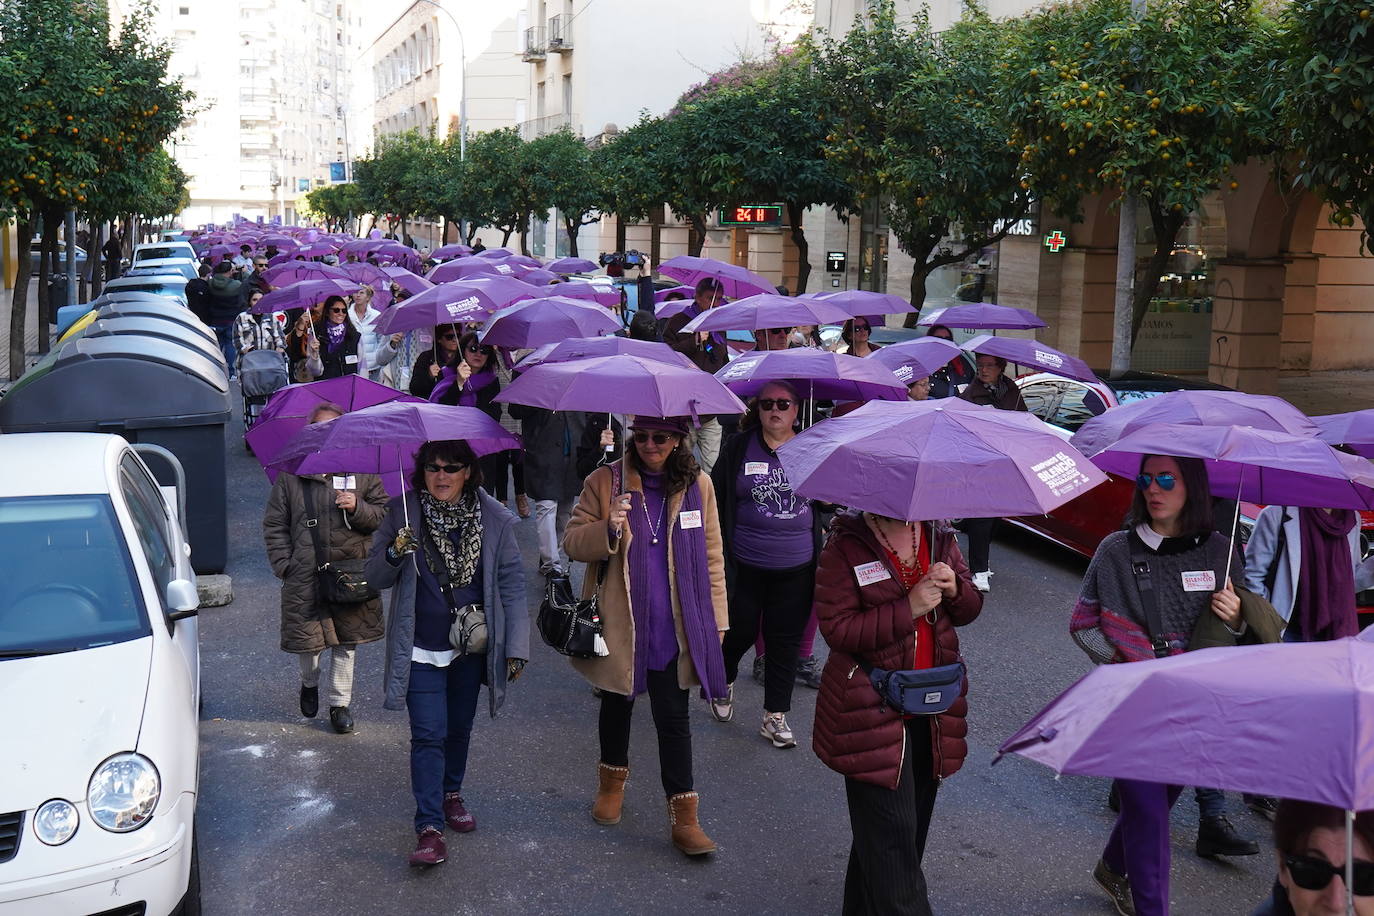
{"x":772,"y":524}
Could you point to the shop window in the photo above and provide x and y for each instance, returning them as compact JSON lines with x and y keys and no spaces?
{"x":1176,"y":334}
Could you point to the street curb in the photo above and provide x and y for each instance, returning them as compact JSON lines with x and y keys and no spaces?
{"x":215,"y":591}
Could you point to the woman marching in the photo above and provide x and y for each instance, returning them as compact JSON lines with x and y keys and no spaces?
{"x":651,"y":519}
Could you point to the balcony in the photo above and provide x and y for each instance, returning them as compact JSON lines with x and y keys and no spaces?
{"x":535,"y":48}
{"x":539,"y":127}
{"x":560,"y":34}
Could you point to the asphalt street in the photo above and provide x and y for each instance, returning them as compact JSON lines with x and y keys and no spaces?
{"x":296,"y":819}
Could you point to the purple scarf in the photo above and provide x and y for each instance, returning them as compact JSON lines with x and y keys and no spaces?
{"x":335,"y":333}
{"x":1324,"y":595}
{"x":467,"y":395}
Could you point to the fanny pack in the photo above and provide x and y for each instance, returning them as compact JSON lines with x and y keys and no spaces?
{"x":467,"y":629}
{"x":919,"y":691}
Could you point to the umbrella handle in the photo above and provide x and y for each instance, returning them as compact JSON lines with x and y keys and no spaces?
{"x":1350,"y":862}
{"x":609,"y":421}
{"x":1235,"y":522}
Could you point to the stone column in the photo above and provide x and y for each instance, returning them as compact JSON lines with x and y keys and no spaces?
{"x":1247,"y":318}
{"x":765,"y":254}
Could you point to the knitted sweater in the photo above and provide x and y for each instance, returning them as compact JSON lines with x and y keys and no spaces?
{"x":1109,"y":622}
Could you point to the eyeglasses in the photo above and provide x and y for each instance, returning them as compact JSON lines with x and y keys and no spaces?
{"x":478,"y":348}
{"x":448,"y":336}
{"x":658,"y":438}
{"x":433,"y":468}
{"x":775,"y":403}
{"x":338,"y":309}
{"x":1166,"y":481}
{"x":1313,"y":874}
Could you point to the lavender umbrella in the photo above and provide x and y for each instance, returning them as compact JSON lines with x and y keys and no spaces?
{"x":768,"y":310}
{"x":448,"y":303}
{"x":983,"y":315}
{"x":1025,"y":352}
{"x":607,"y":296}
{"x":410,"y":282}
{"x":298,"y":271}
{"x":318,"y":249}
{"x":915,"y":359}
{"x":536,"y":276}
{"x":923,"y":460}
{"x":546,"y":320}
{"x":622,"y":384}
{"x":288,"y":410}
{"x":589,"y":347}
{"x":495,"y":254}
{"x":688,"y":293}
{"x":862,"y":302}
{"x":463,"y":268}
{"x":738,"y":281}
{"x":444,"y":252}
{"x":1355,"y":430}
{"x":304,"y":294}
{"x":814,"y":373}
{"x":572,"y":266}
{"x":363,"y":272}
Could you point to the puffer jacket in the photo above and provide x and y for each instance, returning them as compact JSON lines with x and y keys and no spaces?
{"x":309,"y":624}
{"x":855,"y":734}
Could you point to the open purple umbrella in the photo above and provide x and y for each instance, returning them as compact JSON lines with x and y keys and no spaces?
{"x":1025,"y":352}
{"x":915,"y":359}
{"x":608,"y":296}
{"x":445,"y":252}
{"x":363,"y":272}
{"x":287,"y":410}
{"x":452,"y":303}
{"x":303,"y":295}
{"x":1355,"y":430}
{"x":687,"y":294}
{"x":738,"y":281}
{"x":536,"y":275}
{"x":814,"y":373}
{"x":924,"y":460}
{"x":383,"y":439}
{"x":767,"y":310}
{"x":410,"y":282}
{"x":983,"y":315}
{"x":863,"y":302}
{"x":572,"y":266}
{"x":546,"y":320}
{"x":463,"y":268}
{"x":318,"y":249}
{"x":622,"y":384}
{"x":589,"y":347}
{"x":495,"y":254}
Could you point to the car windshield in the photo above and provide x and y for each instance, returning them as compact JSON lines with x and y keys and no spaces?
{"x":148,"y":254}
{"x":1131,"y":395}
{"x":69,"y":582}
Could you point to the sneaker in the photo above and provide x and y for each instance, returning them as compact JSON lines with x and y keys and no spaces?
{"x":1118,"y":888}
{"x":758,"y":670}
{"x":809,"y":672}
{"x":723,"y":708}
{"x":1266,"y":806}
{"x":456,"y":814}
{"x":776,"y":729}
{"x":1217,"y":837}
{"x":430,"y":848}
{"x":980,"y":581}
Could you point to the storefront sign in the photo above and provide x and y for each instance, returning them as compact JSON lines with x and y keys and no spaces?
{"x":835,"y":261}
{"x":1055,"y":241}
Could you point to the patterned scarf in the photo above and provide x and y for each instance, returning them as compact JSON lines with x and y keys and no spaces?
{"x":442,"y":520}
{"x":335,"y":333}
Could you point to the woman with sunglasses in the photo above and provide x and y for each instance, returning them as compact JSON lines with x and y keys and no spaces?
{"x":424,"y":375}
{"x":458,"y":549}
{"x":771,"y":537}
{"x":651,"y":519}
{"x":855,"y":335}
{"x":949,"y":379}
{"x":1169,"y":532}
{"x":335,"y":349}
{"x":472,"y":379}
{"x":1310,"y":842}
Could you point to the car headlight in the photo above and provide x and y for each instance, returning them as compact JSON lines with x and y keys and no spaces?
{"x":55,"y":821}
{"x":123,"y":792}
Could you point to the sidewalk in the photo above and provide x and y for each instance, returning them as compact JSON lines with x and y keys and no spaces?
{"x":30,"y":332}
{"x":1329,"y":392}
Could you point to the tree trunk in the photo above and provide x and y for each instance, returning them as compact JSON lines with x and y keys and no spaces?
{"x":920,"y":272}
{"x":1166,"y":226}
{"x":698,"y":222}
{"x":525,"y":237}
{"x":443,"y":232}
{"x":19,"y":302}
{"x":619,"y":234}
{"x":93,"y":260}
{"x":46,"y":256}
{"x":794,"y":216}
{"x":506,"y":233}
{"x":572,"y":225}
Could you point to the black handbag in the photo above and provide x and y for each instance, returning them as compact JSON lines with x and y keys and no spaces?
{"x":920,"y":691}
{"x":568,"y":626}
{"x":340,"y":581}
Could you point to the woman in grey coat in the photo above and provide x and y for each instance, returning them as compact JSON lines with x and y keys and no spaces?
{"x":458,"y":550}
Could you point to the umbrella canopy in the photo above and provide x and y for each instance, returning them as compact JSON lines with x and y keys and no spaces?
{"x":983,"y":315}
{"x":607,"y":296}
{"x":363,"y":272}
{"x":622,"y":384}
{"x":303,"y":295}
{"x":546,"y":320}
{"x":864,"y":302}
{"x":572,"y":266}
{"x":317,"y":249}
{"x":923,"y":460}
{"x":915,"y":359}
{"x":768,"y":310}
{"x":463,"y":268}
{"x":1255,"y":465}
{"x":383,"y":439}
{"x":738,"y":281}
{"x":1195,"y":408}
{"x":1354,"y":430}
{"x":1025,"y":352}
{"x":410,"y":282}
{"x":588,"y":347}
{"x":814,"y":373}
{"x":445,"y":252}
{"x":688,"y":293}
{"x":288,"y":410}
{"x":452,"y":303}
{"x":536,"y":275}
{"x":495,"y":254}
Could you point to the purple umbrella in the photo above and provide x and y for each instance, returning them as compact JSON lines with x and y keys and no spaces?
{"x":607,"y":296}
{"x":814,"y":373}
{"x":303,"y":295}
{"x":1025,"y":352}
{"x":546,"y":320}
{"x":915,"y":359}
{"x":449,"y":303}
{"x":983,"y":315}
{"x":218,"y":253}
{"x":688,"y":294}
{"x":536,"y":276}
{"x":410,"y":282}
{"x":589,"y":347}
{"x":924,"y":460}
{"x":463,"y":268}
{"x":572,"y":266}
{"x":286,"y":257}
{"x":288,"y":410}
{"x":297,"y":271}
{"x":862,"y":302}
{"x":495,"y":254}
{"x":383,"y":439}
{"x":363,"y":272}
{"x":738,"y":281}
{"x":622,"y":384}
{"x":318,"y":249}
{"x":444,"y":252}
{"x":1355,"y":430}
{"x":768,"y":310}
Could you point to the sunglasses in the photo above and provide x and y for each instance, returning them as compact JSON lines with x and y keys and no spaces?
{"x":778,"y":330}
{"x":774,"y":403}
{"x":337,"y":310}
{"x":478,"y":348}
{"x":1313,"y":874}
{"x":658,"y":438}
{"x":448,"y":336}
{"x":862,"y":327}
{"x":433,"y":468}
{"x":1166,"y":481}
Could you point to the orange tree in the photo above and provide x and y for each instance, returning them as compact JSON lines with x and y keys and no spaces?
{"x":1323,"y":89}
{"x":655,"y":163}
{"x":912,"y":126}
{"x":1162,"y":106}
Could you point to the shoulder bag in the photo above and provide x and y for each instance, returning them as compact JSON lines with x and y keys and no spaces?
{"x":340,"y":581}
{"x":571,"y":627}
{"x":467,"y":629}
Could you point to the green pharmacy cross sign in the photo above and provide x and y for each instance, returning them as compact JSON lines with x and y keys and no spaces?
{"x":1055,"y":241}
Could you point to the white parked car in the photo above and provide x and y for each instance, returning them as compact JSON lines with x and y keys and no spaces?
{"x":156,"y":251}
{"x":100,"y":674}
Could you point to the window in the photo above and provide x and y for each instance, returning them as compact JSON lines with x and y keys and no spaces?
{"x":1077,"y":406}
{"x":151,"y":520}
{"x":183,"y":11}
{"x":1042,"y":398}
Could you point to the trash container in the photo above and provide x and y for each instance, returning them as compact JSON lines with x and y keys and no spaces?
{"x":197,"y":338}
{"x":148,"y":389}
{"x":57,"y":290}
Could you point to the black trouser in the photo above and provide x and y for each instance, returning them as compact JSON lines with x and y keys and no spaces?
{"x":782,"y":598}
{"x":890,"y":826}
{"x":494,"y":473}
{"x":979,"y":531}
{"x":668,"y":703}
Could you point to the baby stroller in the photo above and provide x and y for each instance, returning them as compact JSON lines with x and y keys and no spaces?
{"x":261,"y":373}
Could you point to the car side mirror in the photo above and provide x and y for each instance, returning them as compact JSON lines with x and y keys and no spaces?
{"x":182,"y":599}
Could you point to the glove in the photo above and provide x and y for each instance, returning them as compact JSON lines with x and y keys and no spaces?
{"x":405,"y":543}
{"x":514,"y":668}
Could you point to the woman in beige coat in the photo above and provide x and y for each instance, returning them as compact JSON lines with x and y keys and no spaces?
{"x":651,"y":519}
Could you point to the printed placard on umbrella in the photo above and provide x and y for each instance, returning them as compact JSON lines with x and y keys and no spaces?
{"x":1025,"y":352}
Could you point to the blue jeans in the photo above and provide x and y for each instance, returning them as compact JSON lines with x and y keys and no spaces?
{"x":224,"y":333}
{"x":442,"y":703}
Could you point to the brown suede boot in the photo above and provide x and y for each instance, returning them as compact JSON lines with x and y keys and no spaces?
{"x":610,"y":793}
{"x":687,"y":833}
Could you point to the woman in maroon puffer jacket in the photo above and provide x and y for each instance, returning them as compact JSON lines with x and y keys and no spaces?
{"x":890,"y":593}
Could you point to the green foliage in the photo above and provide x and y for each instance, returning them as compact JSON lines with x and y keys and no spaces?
{"x":573,"y":179}
{"x":396,"y":181}
{"x":656,"y":162}
{"x":335,"y":204}
{"x":507,"y":182}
